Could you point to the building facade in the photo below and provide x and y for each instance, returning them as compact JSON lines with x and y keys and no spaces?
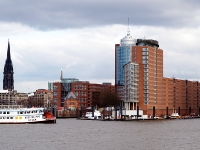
{"x":12,"y":97}
{"x":123,"y":55}
{"x":131,"y":88}
{"x":82,"y":89}
{"x":8,"y":78}
{"x":41,"y":98}
{"x":153,"y":93}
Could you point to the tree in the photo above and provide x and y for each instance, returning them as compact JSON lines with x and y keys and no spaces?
{"x":105,"y":98}
{"x":95,"y":98}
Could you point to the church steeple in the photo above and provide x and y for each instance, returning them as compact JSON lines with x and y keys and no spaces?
{"x":8,"y":51}
{"x":8,"y":79}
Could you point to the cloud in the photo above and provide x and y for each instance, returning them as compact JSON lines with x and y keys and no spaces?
{"x":88,"y":53}
{"x":62,"y":14}
{"x":79,"y":37}
{"x":71,"y":65}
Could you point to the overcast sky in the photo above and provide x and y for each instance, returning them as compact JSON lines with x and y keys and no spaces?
{"x":79,"y":37}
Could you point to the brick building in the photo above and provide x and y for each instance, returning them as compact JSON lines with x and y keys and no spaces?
{"x":41,"y":98}
{"x":82,"y":89}
{"x":139,"y":72}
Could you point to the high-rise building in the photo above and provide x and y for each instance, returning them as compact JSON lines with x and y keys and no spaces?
{"x":138,"y":70}
{"x":123,"y":55}
{"x":8,"y":79}
{"x":131,"y":78}
{"x":149,"y":58}
{"x":140,"y":83}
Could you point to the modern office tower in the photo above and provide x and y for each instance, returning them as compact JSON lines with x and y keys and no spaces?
{"x":131,"y":88}
{"x":146,"y":60}
{"x":123,"y":55}
{"x":8,"y":79}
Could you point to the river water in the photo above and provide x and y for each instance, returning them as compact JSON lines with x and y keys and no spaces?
{"x":73,"y":134}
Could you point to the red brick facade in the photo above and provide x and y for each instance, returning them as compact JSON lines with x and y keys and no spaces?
{"x":83,"y":91}
{"x":164,"y":94}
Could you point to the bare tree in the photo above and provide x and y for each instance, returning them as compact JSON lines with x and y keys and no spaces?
{"x":106,"y":98}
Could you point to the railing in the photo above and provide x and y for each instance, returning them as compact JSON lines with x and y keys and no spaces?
{"x":10,"y":106}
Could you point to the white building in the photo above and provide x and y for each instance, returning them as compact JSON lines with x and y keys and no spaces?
{"x":131,"y":95}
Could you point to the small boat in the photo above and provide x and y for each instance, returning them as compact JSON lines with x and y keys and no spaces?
{"x":175,"y":116}
{"x":17,"y":114}
{"x":97,"y":115}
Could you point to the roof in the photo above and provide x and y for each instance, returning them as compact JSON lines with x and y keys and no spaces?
{"x":70,"y":95}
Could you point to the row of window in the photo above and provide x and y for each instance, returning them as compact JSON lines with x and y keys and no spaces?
{"x":20,"y":117}
{"x":28,"y":112}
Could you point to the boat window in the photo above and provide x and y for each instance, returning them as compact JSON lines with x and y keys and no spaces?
{"x":7,"y":117}
{"x":4,"y":112}
{"x":28,"y":112}
{"x":11,"y":117}
{"x":4,"y":117}
{"x":21,"y":112}
{"x":0,"y":112}
{"x":8,"y":112}
{"x":0,"y":117}
{"x":17,"y":112}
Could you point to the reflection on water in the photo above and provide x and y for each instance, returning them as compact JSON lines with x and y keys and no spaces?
{"x":73,"y":134}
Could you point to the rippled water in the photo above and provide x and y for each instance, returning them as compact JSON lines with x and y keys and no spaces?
{"x":73,"y":134}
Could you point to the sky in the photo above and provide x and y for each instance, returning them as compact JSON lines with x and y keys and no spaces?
{"x":79,"y":37}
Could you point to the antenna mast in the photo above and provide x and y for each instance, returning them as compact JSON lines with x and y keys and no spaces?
{"x":128,"y":33}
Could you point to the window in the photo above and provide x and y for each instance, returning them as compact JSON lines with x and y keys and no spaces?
{"x":144,"y":53}
{"x":144,"y":57}
{"x":144,"y":49}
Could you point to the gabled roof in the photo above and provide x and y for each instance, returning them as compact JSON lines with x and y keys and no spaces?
{"x":70,"y":95}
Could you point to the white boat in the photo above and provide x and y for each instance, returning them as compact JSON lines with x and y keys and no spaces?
{"x":174,"y":115}
{"x":18,"y":114}
{"x":97,"y":115}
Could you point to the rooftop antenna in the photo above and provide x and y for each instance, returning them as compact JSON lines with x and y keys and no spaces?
{"x":128,"y":33}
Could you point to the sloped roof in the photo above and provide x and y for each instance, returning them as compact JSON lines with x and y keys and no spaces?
{"x":70,"y":95}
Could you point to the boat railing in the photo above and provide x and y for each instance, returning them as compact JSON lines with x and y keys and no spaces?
{"x":11,"y":106}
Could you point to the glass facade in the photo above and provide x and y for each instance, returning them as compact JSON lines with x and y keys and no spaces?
{"x":123,"y":56}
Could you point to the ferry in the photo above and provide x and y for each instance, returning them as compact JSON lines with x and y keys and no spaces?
{"x":17,"y":114}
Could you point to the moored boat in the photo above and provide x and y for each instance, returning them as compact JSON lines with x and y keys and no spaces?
{"x":175,"y":116}
{"x":93,"y":115}
{"x":17,"y":114}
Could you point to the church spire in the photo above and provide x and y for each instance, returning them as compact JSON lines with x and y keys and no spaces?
{"x":8,"y":78}
{"x":8,"y":51}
